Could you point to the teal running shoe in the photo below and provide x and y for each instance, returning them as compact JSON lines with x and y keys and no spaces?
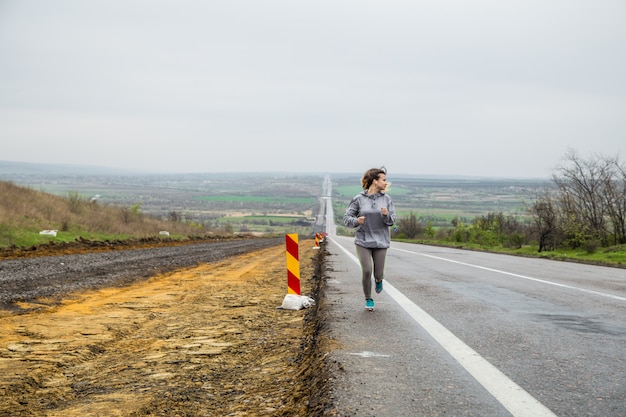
{"x":379,"y":286}
{"x":369,"y":304}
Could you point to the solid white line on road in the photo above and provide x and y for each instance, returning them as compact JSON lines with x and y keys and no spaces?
{"x":512,"y":397}
{"x":543,"y":281}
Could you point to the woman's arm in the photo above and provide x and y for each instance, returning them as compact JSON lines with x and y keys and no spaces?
{"x":350,"y":219}
{"x":390,"y":218}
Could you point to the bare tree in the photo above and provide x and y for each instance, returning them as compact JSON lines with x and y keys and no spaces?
{"x":545,"y":213}
{"x":615,"y":197}
{"x":587,"y":206}
{"x":581,"y":184}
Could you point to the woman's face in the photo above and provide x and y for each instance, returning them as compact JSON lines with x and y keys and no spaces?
{"x":381,"y":182}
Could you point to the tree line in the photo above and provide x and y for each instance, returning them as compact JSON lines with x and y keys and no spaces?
{"x":584,"y":206}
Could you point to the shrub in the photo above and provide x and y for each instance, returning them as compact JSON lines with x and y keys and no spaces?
{"x":410,"y":227}
{"x":515,"y":241}
{"x":591,"y":246}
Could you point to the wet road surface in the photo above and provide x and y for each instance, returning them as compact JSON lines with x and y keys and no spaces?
{"x":461,"y":333}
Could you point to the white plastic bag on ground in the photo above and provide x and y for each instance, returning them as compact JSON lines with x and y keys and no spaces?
{"x":296,"y":302}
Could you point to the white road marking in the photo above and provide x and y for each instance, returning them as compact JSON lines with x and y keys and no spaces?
{"x":512,"y":397}
{"x":543,"y":281}
{"x":367,"y":354}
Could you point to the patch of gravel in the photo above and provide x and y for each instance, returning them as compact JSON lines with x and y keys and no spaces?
{"x":28,"y":278}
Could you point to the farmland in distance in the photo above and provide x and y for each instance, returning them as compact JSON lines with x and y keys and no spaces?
{"x":267,"y":203}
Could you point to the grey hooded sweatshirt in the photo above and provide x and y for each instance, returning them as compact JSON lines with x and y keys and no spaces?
{"x":374,"y":233}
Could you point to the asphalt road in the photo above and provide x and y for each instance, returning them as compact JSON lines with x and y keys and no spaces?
{"x":463,"y":333}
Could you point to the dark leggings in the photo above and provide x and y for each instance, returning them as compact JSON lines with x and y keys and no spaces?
{"x":367,"y":256}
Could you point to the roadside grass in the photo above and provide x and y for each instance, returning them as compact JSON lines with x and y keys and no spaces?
{"x":24,"y":213}
{"x":614,"y":256}
{"x":27,"y":238}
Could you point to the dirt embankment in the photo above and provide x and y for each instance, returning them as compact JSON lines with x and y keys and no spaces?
{"x":204,"y":340}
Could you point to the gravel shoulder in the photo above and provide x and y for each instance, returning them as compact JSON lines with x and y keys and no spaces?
{"x":188,"y":330}
{"x":53,"y":271}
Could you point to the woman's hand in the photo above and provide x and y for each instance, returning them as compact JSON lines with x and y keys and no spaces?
{"x":360,"y":220}
{"x":384,"y":211}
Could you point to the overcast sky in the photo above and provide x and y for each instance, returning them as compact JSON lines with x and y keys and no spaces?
{"x":482,"y":88}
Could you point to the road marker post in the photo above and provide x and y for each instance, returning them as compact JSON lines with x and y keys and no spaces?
{"x":317,"y":241}
{"x":293,"y":264}
{"x":293,"y":300}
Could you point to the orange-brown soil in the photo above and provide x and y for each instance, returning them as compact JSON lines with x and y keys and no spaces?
{"x":203,"y":341}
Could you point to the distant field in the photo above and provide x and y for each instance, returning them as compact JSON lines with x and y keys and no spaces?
{"x":274,"y":202}
{"x":352,"y":190}
{"x":254,"y":199}
{"x":442,"y":200}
